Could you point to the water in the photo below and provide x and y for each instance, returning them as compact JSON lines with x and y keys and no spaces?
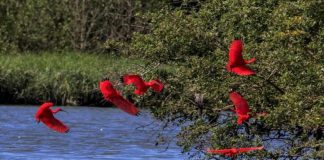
{"x":95,"y":133}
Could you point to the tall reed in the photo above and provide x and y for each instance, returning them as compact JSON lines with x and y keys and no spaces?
{"x":64,"y":78}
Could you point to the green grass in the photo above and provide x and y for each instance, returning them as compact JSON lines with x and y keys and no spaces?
{"x":64,"y":78}
{"x":55,"y":63}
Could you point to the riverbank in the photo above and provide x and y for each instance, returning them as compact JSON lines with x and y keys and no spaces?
{"x":66,"y":78}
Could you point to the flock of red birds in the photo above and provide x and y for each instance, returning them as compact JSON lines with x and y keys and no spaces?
{"x":46,"y":115}
{"x":236,"y":64}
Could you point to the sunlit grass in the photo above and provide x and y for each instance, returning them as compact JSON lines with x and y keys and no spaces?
{"x":52,"y":63}
{"x":65,"y":78}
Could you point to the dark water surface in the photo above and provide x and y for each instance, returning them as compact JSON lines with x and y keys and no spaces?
{"x":95,"y":133}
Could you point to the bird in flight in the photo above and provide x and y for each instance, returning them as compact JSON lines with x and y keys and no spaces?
{"x":241,"y":107}
{"x":111,"y":95}
{"x":141,"y":85}
{"x":233,"y":151}
{"x":46,"y":115}
{"x":236,"y":63}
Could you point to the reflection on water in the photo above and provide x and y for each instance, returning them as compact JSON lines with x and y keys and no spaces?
{"x":95,"y":133}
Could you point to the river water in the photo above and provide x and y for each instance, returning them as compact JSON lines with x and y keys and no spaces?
{"x":95,"y":133}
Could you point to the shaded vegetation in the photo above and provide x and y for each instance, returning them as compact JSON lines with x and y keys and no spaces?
{"x":69,"y":24}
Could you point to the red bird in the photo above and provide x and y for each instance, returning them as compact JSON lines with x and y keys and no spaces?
{"x":241,"y":107}
{"x":141,"y":85}
{"x":236,"y":62}
{"x":45,"y":114}
{"x":112,"y":95}
{"x":233,"y":151}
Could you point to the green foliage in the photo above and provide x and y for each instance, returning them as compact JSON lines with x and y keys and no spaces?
{"x":33,"y":25}
{"x":286,"y":37}
{"x":175,"y":36}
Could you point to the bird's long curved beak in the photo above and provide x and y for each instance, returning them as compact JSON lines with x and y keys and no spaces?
{"x":64,"y":111}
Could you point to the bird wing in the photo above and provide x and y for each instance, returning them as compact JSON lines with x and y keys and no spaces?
{"x":235,"y":53}
{"x":242,"y":70}
{"x":50,"y":121}
{"x":137,"y":81}
{"x":124,"y":104}
{"x":107,"y":89}
{"x":219,"y":151}
{"x":47,"y":105}
{"x":241,"y":106}
{"x":103,"y":87}
{"x":242,"y":150}
{"x":156,"y":85}
{"x":42,"y":108}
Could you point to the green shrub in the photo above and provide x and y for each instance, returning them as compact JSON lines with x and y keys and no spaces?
{"x":286,"y":38}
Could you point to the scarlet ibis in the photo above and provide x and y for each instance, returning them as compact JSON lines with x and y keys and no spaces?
{"x":113,"y":96}
{"x":236,"y":62}
{"x":241,"y":107}
{"x":141,"y":85}
{"x":45,"y":115}
{"x":233,"y":151}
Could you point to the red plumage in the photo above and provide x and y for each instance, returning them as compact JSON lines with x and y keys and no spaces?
{"x":45,"y":115}
{"x":141,"y":85}
{"x":156,"y":85}
{"x":233,"y":151}
{"x":226,"y":152}
{"x":236,"y":62}
{"x":241,"y":107}
{"x":243,"y":150}
{"x":113,"y":96}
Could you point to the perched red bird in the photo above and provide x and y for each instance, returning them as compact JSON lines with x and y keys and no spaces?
{"x":233,"y":151}
{"x":112,"y":95}
{"x":45,"y":114}
{"x":141,"y":85}
{"x":241,"y":107}
{"x":236,"y":62}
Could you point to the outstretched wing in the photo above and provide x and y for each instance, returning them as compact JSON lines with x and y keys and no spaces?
{"x":226,"y":152}
{"x":107,"y":89}
{"x":103,"y":87}
{"x":47,"y":105}
{"x":124,"y":105}
{"x":242,"y":70}
{"x":241,"y":106}
{"x":235,"y":53}
{"x":242,"y":150}
{"x":43,"y":108}
{"x":137,"y":81}
{"x":50,"y":121}
{"x":156,"y":85}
